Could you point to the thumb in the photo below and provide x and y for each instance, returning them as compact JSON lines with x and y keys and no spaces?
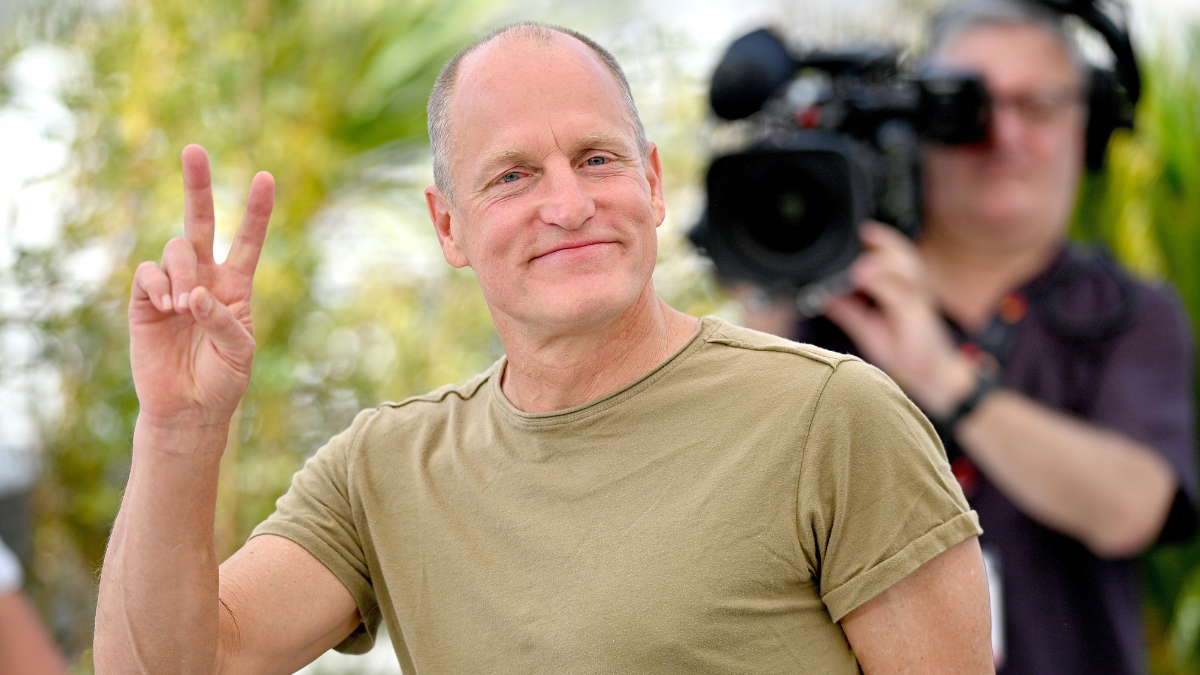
{"x":230,"y":336}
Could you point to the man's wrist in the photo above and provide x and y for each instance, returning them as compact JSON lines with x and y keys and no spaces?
{"x":182,"y":437}
{"x":986,"y":382}
{"x":954,"y":383}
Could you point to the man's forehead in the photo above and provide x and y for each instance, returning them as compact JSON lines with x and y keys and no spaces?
{"x":1014,"y":49}
{"x":559,"y":83}
{"x":513,"y":57}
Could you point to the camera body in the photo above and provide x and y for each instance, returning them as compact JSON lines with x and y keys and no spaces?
{"x":836,"y":140}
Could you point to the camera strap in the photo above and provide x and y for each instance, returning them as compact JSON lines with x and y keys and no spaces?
{"x":994,"y":342}
{"x":1047,"y":298}
{"x":999,"y":335}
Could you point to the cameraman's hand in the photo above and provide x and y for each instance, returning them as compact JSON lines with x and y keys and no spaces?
{"x":191,"y":338}
{"x":893,"y":320}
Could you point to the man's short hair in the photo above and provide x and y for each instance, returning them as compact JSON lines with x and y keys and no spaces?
{"x":961,"y":16}
{"x":443,"y":90}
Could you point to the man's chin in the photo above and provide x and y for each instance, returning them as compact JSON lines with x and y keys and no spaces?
{"x":1006,"y":205}
{"x":575,"y":312}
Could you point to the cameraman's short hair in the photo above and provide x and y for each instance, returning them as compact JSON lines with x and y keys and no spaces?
{"x":961,"y":16}
{"x":443,"y":90}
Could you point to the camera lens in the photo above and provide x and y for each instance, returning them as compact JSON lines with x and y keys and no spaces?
{"x":786,"y":216}
{"x":791,"y":207}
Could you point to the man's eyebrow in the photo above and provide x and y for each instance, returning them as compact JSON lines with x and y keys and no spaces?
{"x":601,"y":139}
{"x":501,"y":157}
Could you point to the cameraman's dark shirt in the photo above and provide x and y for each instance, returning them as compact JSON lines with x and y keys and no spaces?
{"x":1118,"y":354}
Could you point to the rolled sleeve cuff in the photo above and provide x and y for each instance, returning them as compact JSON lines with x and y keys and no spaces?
{"x":842,"y":600}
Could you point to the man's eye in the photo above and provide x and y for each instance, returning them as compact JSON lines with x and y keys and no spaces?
{"x":510,"y":176}
{"x":597,"y":161}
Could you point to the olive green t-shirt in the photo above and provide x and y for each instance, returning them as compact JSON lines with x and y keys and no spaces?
{"x":718,"y":515}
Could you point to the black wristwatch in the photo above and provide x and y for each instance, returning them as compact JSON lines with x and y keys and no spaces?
{"x":987,"y":381}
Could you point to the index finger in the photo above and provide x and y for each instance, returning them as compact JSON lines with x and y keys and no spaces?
{"x":247,"y":245}
{"x":875,"y":234}
{"x":198,"y":220}
{"x":892,"y":245}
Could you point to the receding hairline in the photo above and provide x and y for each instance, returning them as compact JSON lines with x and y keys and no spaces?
{"x":442,"y":97}
{"x":543,"y":40}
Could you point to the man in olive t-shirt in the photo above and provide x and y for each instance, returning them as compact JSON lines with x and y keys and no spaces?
{"x":719,"y":514}
{"x":629,"y":490}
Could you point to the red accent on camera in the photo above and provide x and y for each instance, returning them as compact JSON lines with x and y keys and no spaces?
{"x":808,"y":118}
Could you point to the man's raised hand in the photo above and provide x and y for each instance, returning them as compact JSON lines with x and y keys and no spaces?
{"x":191,"y":336}
{"x":894,"y":321}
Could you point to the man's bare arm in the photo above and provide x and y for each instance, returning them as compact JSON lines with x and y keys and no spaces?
{"x":935,"y":621}
{"x":157,"y":607}
{"x":280,"y":608}
{"x":162,"y":606}
{"x":1100,"y":487}
{"x":165,"y":607}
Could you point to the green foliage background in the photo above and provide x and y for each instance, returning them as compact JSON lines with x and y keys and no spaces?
{"x":304,"y":90}
{"x":329,"y":96}
{"x":1146,"y":207}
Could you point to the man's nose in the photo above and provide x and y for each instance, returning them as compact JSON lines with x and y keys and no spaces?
{"x":1007,"y":126}
{"x":566,"y":201}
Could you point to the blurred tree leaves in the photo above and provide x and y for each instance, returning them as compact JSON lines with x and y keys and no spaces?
{"x":329,"y":96}
{"x":1146,"y":207}
{"x":303,"y":90}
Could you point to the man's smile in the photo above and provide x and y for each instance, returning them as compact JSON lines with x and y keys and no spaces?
{"x":574,"y":249}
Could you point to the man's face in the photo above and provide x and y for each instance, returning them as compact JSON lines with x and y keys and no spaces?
{"x":555,"y":209}
{"x":1018,"y":187}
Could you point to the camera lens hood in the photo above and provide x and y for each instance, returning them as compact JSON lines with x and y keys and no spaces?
{"x":786,"y":216}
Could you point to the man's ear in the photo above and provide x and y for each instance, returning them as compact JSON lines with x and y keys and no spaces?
{"x":658,"y":202}
{"x":444,"y":223}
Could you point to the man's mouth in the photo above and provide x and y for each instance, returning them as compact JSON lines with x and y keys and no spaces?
{"x":572,"y":249}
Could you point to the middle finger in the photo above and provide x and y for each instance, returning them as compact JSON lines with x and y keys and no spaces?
{"x":198,"y":219}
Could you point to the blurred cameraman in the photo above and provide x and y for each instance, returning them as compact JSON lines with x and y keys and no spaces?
{"x":1062,"y":388}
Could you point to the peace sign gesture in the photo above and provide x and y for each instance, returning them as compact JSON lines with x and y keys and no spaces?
{"x":190,"y":334}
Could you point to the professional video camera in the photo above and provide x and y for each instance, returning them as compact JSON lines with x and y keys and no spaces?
{"x":835,"y":140}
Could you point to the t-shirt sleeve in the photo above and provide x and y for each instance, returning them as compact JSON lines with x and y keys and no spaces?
{"x":877,"y":498}
{"x":317,"y":513}
{"x":1145,"y":391}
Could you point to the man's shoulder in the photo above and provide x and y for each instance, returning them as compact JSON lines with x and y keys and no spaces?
{"x":1159,"y":302}
{"x":1088,"y":295}
{"x":446,"y":396}
{"x":751,"y":341}
{"x":429,"y":409}
{"x":839,"y":381}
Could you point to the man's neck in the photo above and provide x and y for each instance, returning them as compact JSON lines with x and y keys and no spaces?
{"x":548,"y":372}
{"x":970,"y":279}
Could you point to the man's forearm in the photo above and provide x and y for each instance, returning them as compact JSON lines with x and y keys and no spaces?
{"x":1098,"y":486}
{"x":158,"y":605}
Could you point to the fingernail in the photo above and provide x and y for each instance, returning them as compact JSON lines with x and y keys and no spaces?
{"x":182,"y":303}
{"x":166,"y":302}
{"x":204,"y":303}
